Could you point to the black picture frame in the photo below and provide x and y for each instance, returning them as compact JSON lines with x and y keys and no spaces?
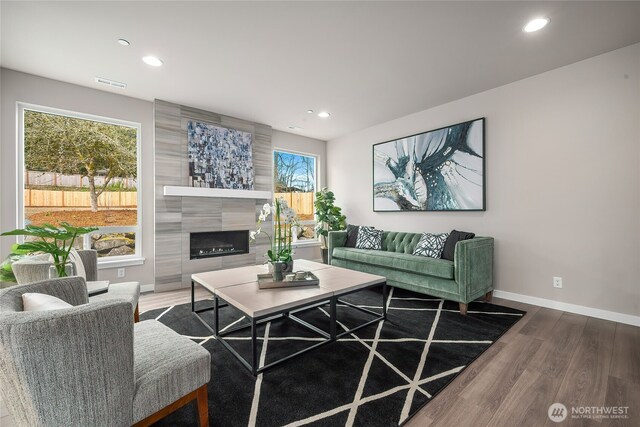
{"x":406,"y":179}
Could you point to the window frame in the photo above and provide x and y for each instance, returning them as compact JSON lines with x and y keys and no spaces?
{"x":103,"y":262}
{"x":307,"y":242}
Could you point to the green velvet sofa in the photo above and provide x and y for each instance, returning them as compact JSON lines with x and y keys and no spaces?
{"x":468,"y":277}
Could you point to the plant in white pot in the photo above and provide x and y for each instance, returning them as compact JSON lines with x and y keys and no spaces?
{"x":329,"y":217}
{"x":52,"y":240}
{"x":280,"y":253}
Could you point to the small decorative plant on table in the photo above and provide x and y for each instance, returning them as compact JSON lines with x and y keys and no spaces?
{"x":329,"y":217}
{"x":280,"y":254}
{"x":56,"y":241}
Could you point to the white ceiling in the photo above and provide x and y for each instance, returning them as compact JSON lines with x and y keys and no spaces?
{"x":364,"y":62}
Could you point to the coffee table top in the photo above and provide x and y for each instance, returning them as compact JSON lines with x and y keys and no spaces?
{"x":213,"y":280}
{"x":239,"y":287}
{"x":342,"y":280}
{"x":256,"y":302}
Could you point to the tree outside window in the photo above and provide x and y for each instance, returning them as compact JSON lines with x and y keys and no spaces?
{"x":84,"y":172}
{"x":295,"y":181}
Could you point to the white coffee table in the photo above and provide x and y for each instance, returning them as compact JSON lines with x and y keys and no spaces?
{"x":239,"y":288}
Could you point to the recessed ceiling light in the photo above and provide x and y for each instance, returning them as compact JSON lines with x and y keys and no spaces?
{"x":535,"y":25}
{"x":124,"y":42}
{"x":323,"y":114}
{"x":309,"y":111}
{"x":153,"y":61}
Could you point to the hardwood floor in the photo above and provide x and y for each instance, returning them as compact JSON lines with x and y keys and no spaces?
{"x":549,"y":356}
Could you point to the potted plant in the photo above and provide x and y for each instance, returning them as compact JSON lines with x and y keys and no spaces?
{"x":52,"y":240}
{"x":6,"y":272}
{"x":280,"y":253}
{"x":329,"y":218}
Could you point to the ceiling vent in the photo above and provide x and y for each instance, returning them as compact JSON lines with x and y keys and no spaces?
{"x":111,"y":83}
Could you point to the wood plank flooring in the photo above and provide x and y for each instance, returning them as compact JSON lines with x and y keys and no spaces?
{"x":549,"y":356}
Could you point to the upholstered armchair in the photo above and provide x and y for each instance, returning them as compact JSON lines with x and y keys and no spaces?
{"x":36,"y":268}
{"x":91,"y":365}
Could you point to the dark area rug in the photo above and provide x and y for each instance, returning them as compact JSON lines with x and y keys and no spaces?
{"x":422,"y":347}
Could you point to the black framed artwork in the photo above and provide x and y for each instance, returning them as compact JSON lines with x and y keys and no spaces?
{"x":438,"y":170}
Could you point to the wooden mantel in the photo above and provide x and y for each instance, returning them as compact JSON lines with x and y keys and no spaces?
{"x":181,"y":191}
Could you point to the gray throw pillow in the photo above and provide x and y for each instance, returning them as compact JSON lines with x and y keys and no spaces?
{"x":431,"y":245}
{"x":450,"y":245}
{"x":369,"y":238}
{"x":352,"y":236}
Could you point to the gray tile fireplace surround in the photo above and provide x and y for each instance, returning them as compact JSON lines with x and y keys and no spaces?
{"x":176,"y":217}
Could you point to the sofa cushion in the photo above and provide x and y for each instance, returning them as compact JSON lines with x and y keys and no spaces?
{"x":167,"y":366}
{"x":404,"y":243}
{"x":398,"y":261}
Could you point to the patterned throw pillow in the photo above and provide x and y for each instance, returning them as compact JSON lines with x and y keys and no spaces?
{"x":431,"y":245}
{"x":369,"y":238}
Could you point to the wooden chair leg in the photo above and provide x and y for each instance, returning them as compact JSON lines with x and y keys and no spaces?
{"x":488,"y":296}
{"x":136,"y":315}
{"x":463,"y":309}
{"x":200,"y":395}
{"x":203,"y":406}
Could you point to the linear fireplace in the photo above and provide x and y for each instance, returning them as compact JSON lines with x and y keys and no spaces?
{"x":218,"y":243}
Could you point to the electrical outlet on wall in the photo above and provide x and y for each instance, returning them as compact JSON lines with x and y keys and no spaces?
{"x":557,"y":282}
{"x":121,"y":272}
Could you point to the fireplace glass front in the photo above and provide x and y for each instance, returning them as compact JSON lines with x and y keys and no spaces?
{"x":218,"y":243}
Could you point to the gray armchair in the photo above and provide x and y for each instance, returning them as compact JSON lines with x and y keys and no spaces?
{"x":91,"y":365}
{"x":36,"y":268}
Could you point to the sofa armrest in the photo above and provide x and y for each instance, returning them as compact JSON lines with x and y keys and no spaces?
{"x":473,"y":264}
{"x":89,"y":259}
{"x":337,"y":239}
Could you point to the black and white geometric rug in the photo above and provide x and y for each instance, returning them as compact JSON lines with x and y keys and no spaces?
{"x":379,"y":376}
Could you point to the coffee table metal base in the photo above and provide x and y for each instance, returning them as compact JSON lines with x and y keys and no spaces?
{"x":254,"y":367}
{"x":378,"y":316}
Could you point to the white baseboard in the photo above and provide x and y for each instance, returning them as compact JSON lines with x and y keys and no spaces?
{"x":147,"y":288}
{"x":570,"y":308}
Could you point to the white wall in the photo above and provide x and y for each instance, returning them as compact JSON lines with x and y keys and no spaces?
{"x":563,"y":180}
{"x":300,"y":144}
{"x":19,"y":87}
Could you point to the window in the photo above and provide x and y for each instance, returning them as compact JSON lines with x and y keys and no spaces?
{"x":295,"y":181}
{"x":83,"y":170}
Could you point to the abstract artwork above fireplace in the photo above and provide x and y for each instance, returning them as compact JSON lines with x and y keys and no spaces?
{"x":182,"y":209}
{"x":219,"y":157}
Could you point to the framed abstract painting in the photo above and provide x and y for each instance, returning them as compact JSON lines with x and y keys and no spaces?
{"x":438,"y":170}
{"x":219,"y":157}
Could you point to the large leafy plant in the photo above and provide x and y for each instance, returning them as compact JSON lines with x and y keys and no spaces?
{"x":329,"y":217}
{"x":56,"y":241}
